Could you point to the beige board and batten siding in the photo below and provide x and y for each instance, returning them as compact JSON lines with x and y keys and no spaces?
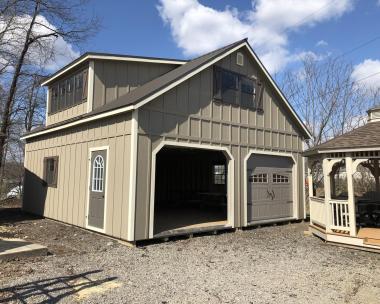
{"x":72,"y":111}
{"x":69,"y":113}
{"x":188,"y":114}
{"x":116,"y":78}
{"x":68,"y":201}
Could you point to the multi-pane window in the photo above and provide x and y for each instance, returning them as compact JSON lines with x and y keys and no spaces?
{"x":219,"y":174}
{"x":280,"y":179}
{"x":98,"y":174}
{"x":259,"y":178}
{"x":51,"y":171}
{"x":234,"y":88}
{"x":68,"y":92}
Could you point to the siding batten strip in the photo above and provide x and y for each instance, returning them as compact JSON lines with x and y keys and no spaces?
{"x":133,"y":176}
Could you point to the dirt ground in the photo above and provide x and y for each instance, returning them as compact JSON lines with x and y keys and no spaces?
{"x":276,"y":264}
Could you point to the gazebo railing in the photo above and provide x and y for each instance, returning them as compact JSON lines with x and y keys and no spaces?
{"x":339,"y":215}
{"x":317,"y":211}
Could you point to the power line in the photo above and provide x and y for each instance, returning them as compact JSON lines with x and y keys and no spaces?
{"x":349,"y":83}
{"x":359,"y":46}
{"x":300,"y":22}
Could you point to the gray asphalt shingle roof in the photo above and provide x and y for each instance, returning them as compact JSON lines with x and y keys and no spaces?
{"x":150,"y":87}
{"x":367,"y":136}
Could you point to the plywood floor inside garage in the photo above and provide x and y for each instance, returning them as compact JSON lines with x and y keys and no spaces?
{"x":182,"y":218}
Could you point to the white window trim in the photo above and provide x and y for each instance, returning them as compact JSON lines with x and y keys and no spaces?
{"x":100,"y":186}
{"x":90,"y":150}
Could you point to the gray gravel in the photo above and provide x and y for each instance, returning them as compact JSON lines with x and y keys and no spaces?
{"x":276,"y":264}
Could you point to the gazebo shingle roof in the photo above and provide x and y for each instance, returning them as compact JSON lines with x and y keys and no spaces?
{"x":367,"y":136}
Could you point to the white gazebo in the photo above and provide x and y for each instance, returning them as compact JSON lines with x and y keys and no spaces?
{"x":344,"y":187}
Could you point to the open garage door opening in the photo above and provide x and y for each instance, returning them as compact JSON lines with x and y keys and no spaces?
{"x":270,"y":187}
{"x":190,"y":190}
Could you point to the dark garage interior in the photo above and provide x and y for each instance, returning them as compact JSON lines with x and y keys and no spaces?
{"x":190,"y":190}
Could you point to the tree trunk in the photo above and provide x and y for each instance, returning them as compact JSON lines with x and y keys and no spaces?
{"x":5,"y":118}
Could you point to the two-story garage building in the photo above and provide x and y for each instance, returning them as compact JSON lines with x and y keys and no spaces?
{"x":139,"y":148}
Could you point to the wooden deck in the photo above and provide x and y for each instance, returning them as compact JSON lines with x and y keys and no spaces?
{"x":367,"y":239}
{"x":371,"y":236}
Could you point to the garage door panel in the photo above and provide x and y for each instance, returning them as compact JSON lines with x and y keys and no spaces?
{"x":270,"y":197}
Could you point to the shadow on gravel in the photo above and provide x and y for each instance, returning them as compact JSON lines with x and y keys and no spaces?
{"x":11,"y":212}
{"x":51,"y":290}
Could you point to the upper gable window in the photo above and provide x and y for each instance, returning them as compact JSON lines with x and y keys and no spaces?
{"x":239,"y":59}
{"x":68,"y":92}
{"x":234,"y":88}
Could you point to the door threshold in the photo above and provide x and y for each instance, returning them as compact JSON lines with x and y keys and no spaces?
{"x":272,"y":221}
{"x":185,"y":231}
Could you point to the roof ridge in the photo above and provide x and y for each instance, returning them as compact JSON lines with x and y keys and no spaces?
{"x":130,"y":56}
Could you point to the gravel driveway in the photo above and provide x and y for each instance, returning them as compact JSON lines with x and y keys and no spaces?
{"x":276,"y":264}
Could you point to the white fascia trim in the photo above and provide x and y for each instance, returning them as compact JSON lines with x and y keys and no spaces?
{"x":118,"y":58}
{"x":79,"y":122}
{"x":278,"y":90}
{"x":47,"y":106}
{"x":132,"y":177}
{"x":186,"y":77}
{"x":143,"y":102}
{"x":348,"y":150}
{"x":294,"y":185}
{"x":230,"y":179}
{"x":203,"y":67}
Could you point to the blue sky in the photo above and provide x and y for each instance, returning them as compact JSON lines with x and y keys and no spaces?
{"x":280,"y":31}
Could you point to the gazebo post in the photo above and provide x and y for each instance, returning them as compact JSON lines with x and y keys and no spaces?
{"x":327,"y":184}
{"x":351,"y":195}
{"x":310,"y":178}
{"x":377,"y":173}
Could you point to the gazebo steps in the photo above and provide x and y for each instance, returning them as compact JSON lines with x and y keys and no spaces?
{"x":362,"y":242}
{"x":373,"y":242}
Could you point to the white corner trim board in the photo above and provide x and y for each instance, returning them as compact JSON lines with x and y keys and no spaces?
{"x":295,"y":183}
{"x":230,"y":179}
{"x":90,"y":87}
{"x":133,"y":177}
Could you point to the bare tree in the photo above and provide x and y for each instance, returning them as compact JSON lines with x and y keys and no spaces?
{"x":329,"y":102}
{"x":28,"y":32}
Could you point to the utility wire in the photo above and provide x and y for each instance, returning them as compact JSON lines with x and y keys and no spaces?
{"x":349,"y":83}
{"x":359,"y":46}
{"x":300,"y":22}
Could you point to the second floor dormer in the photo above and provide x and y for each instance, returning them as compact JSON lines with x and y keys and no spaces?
{"x":95,"y":79}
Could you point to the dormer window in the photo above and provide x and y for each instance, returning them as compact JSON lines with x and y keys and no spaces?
{"x":69,"y":92}
{"x":234,"y":88}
